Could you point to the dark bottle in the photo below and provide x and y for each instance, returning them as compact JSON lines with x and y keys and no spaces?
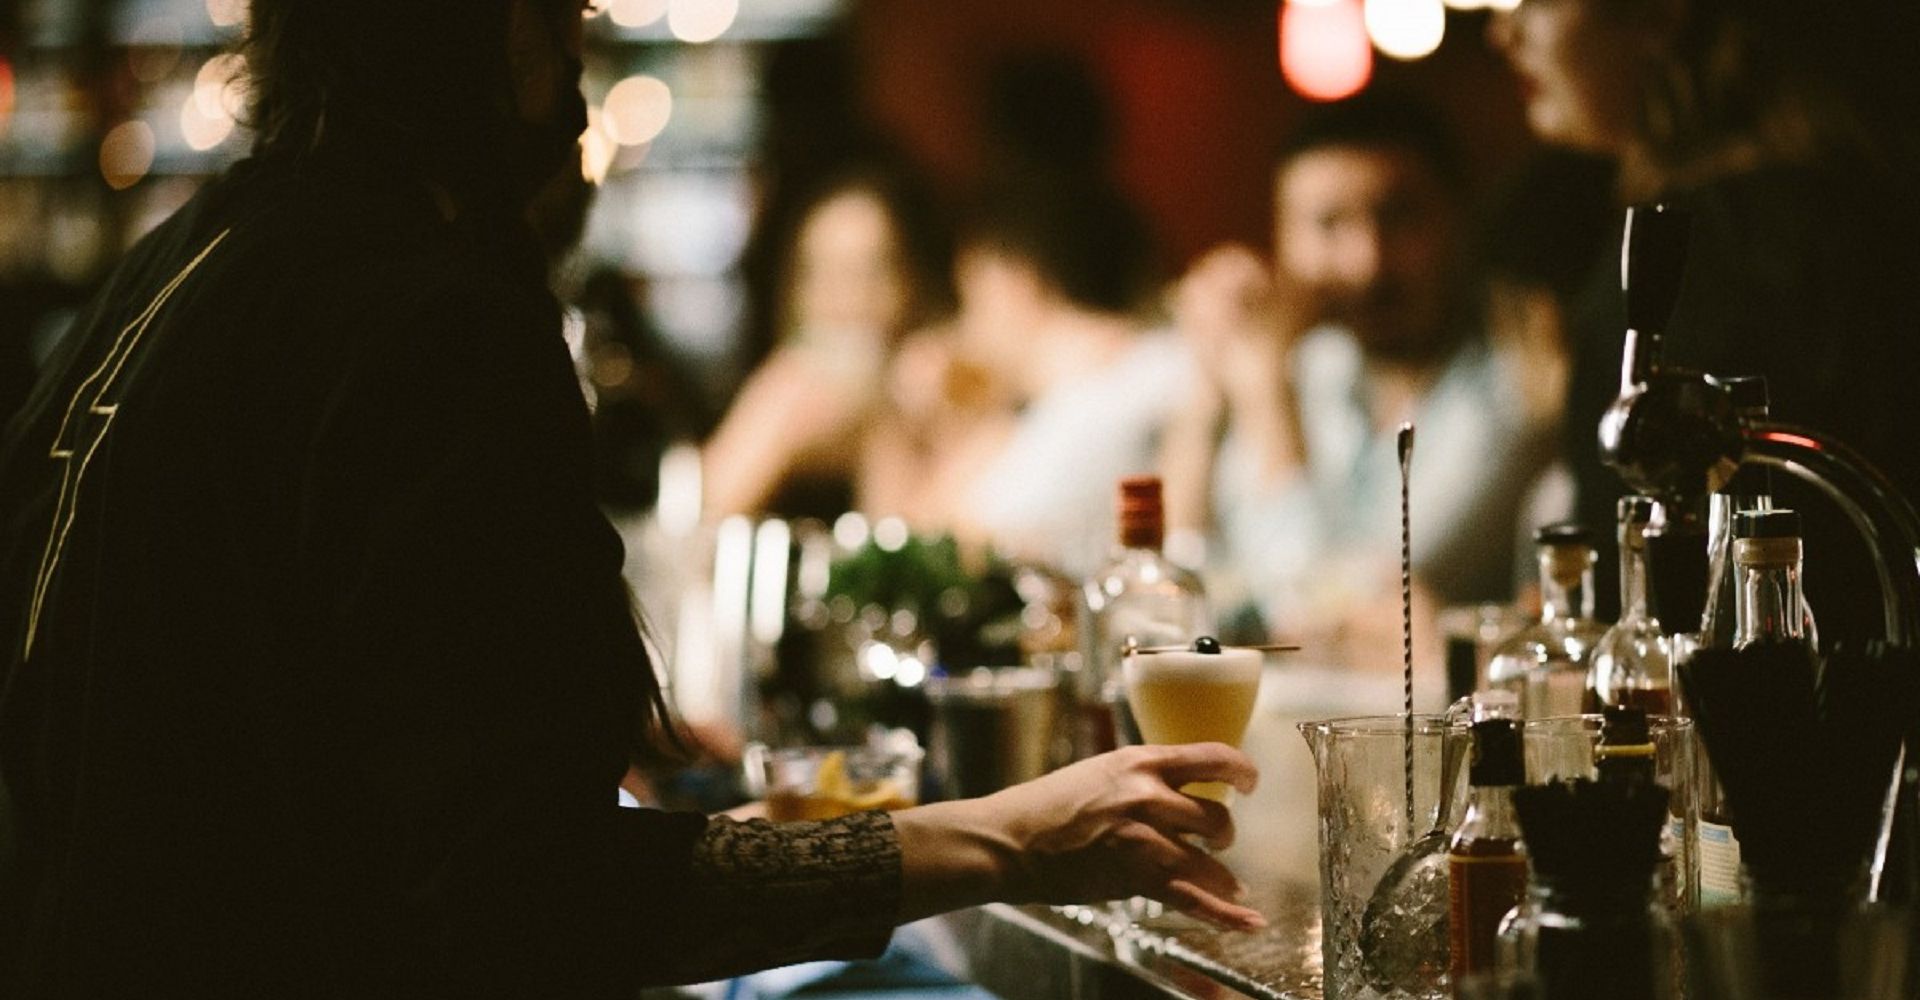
{"x":1626,"y":756}
{"x":1632,"y":661}
{"x":1486,"y":860}
{"x":1626,"y":753}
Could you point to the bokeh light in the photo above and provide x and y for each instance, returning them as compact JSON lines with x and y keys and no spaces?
{"x":218,"y":88}
{"x":126,"y":154}
{"x":636,"y":13}
{"x":637,"y":110}
{"x":1324,"y":52}
{"x":1406,"y":29}
{"x":227,"y":13}
{"x":203,"y":131}
{"x":597,"y":148}
{"x":891,"y":534}
{"x":701,"y":20}
{"x":6,"y":94}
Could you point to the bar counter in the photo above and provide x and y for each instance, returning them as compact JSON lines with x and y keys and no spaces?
{"x":1087,"y":953}
{"x":1083,"y":953}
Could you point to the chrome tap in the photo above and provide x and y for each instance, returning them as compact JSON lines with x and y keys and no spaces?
{"x":1674,"y":435}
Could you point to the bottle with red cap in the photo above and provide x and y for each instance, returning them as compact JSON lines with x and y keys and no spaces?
{"x":1138,"y":597}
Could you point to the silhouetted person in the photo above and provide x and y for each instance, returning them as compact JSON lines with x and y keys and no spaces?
{"x":321,"y":675}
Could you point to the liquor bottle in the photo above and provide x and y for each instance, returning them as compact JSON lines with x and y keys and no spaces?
{"x":1486,"y":859}
{"x":1767,"y":551}
{"x":1632,"y":665}
{"x":1139,"y":597}
{"x":1547,"y":662}
{"x":1768,"y":609}
{"x":1750,"y":489}
{"x":1627,"y":755}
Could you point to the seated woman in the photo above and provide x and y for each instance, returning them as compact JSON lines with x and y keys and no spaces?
{"x":861,"y":269}
{"x":1016,"y":422}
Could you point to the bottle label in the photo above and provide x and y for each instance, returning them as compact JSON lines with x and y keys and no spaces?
{"x":1480,"y":891}
{"x":1719,"y":865}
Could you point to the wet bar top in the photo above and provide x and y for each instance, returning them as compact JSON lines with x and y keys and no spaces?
{"x":1087,"y":953}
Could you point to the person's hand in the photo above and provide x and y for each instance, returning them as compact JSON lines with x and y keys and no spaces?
{"x":1228,"y":309}
{"x":1241,"y":322}
{"x":1105,"y":828}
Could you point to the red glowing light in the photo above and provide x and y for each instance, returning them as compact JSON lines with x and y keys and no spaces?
{"x":1798,"y":440}
{"x":6,"y":94}
{"x":1324,"y":52}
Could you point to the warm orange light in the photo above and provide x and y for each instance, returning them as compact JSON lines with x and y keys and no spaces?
{"x":217,"y":88}
{"x":201,"y":131}
{"x":126,"y":154}
{"x":227,"y":13}
{"x":636,"y":13}
{"x":6,"y":95}
{"x":701,"y":20}
{"x":597,"y":148}
{"x":1324,"y":51}
{"x":637,"y":109}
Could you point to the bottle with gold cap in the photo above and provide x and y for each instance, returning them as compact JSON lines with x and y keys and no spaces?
{"x":1769,"y":608}
{"x":1547,"y":663}
{"x":1139,"y":596}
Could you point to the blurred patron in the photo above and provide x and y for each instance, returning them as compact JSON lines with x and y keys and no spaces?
{"x":1286,"y":464}
{"x":1790,"y":133}
{"x":1015,"y":423}
{"x":865,"y":265}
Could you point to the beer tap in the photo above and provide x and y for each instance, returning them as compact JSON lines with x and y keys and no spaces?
{"x":1673,"y":434}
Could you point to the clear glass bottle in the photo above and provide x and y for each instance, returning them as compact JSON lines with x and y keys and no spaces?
{"x":1140,"y":596}
{"x":1767,"y":550}
{"x":1547,"y":662}
{"x":1486,"y":859}
{"x":1632,"y":664}
{"x":1750,"y":490}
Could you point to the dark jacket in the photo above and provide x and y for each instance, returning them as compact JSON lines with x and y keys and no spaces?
{"x":332,"y":673}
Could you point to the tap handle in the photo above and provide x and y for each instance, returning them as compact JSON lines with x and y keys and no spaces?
{"x":1653,"y":256}
{"x":1677,"y":572}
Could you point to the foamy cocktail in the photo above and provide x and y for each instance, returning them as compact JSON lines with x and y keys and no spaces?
{"x":1194,"y":696}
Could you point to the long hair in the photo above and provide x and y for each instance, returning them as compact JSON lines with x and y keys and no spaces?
{"x":422,"y":84}
{"x":919,"y":232}
{"x":1745,"y":82}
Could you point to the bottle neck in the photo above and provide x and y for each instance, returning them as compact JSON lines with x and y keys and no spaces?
{"x":1140,"y":535}
{"x":1770,"y":608}
{"x":1490,"y":814}
{"x":1633,"y":582}
{"x":1566,"y":585}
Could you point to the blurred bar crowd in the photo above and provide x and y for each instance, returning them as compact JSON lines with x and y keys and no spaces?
{"x":881,"y":301}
